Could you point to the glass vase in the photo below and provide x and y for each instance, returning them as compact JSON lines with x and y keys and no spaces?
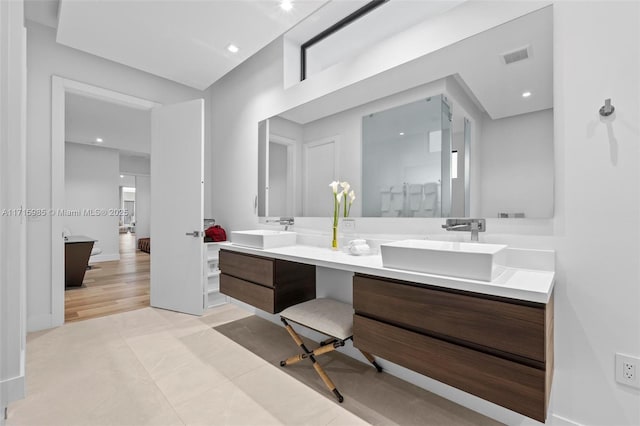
{"x":334,"y":242}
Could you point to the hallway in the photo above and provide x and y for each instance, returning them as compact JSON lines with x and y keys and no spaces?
{"x":112,"y":287}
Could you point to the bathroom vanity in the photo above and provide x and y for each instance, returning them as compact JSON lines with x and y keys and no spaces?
{"x":496,"y":348}
{"x":266,"y":283}
{"x":491,"y":339}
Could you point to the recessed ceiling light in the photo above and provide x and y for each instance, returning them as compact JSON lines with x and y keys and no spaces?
{"x":526,"y":94}
{"x":286,"y":5}
{"x":99,"y":140}
{"x":233,"y":48}
{"x":401,"y":133}
{"x":121,"y":176}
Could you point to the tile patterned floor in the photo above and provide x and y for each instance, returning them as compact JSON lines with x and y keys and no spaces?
{"x":156,"y":367}
{"x":378,"y":399}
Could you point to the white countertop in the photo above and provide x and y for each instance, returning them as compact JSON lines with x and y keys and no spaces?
{"x":515,"y":283}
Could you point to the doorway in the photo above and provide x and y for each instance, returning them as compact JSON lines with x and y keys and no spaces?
{"x":320,"y":165}
{"x":106,"y":145}
{"x":177,"y":133}
{"x":281,"y":186}
{"x":61,"y":89}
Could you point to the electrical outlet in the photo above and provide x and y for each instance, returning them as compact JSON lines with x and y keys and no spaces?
{"x":627,"y":370}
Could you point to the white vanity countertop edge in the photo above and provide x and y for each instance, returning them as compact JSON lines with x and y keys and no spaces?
{"x":522,"y":284}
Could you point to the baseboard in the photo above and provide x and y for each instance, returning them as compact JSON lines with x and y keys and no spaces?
{"x":12,"y":390}
{"x":39,"y":322}
{"x":557,"y":420}
{"x":103,"y":258}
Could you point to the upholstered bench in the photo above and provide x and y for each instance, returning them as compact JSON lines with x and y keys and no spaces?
{"x":329,"y":317}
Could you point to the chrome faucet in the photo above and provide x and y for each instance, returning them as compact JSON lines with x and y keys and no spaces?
{"x":469,"y":225}
{"x":286,"y":221}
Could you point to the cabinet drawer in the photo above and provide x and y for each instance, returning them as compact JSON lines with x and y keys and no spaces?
{"x":251,"y":268}
{"x":255,"y":295}
{"x":512,"y":385}
{"x":494,"y":324}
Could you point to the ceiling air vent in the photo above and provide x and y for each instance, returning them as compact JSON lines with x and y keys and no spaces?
{"x":516,"y":55}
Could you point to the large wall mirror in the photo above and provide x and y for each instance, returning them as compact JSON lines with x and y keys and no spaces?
{"x":464,"y":131}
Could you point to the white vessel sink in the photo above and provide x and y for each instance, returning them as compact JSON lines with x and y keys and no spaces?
{"x":263,"y":239}
{"x":475,"y":261}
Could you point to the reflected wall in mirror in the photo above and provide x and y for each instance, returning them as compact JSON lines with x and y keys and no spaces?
{"x":464,"y":131}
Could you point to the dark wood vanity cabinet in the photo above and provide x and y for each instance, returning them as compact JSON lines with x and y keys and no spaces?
{"x":268,"y":284}
{"x":496,"y":348}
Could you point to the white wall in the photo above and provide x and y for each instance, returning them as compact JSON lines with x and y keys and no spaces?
{"x":597,"y":289}
{"x":44,"y":59}
{"x":92,"y":180}
{"x":277,"y":179}
{"x":134,"y":165}
{"x":12,"y":196}
{"x":126,"y":180}
{"x":143,"y":206}
{"x":597,"y":189}
{"x":516,"y":165}
{"x":288,"y":129}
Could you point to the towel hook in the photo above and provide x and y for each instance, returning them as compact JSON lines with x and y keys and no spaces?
{"x":607,"y":109}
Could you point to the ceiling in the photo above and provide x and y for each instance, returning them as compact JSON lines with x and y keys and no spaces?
{"x":118,"y":126}
{"x":499,"y":87}
{"x":181,"y":40}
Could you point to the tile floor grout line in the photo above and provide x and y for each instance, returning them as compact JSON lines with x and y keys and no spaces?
{"x":171,"y":404}
{"x":155,"y":384}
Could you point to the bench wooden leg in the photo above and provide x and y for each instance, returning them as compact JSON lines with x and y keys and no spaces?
{"x":327,"y":381}
{"x":311,"y":355}
{"x":372,"y":360}
{"x":293,"y":360}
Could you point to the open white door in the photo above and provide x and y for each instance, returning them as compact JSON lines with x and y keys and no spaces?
{"x":177,"y":170}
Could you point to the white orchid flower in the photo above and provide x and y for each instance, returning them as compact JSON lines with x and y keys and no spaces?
{"x":352,"y":196}
{"x":345,"y":187}
{"x":334,"y":186}
{"x":339,"y":196}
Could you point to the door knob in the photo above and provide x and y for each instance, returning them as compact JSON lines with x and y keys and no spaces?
{"x":194,"y":234}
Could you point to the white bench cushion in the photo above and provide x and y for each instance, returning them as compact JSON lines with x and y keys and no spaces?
{"x":327,"y":316}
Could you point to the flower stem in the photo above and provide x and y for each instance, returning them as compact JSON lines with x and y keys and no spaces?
{"x":346,"y":214}
{"x":334,"y":242}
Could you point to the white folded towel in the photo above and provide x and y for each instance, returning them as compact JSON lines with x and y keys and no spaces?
{"x":431,"y":187}
{"x":360,"y":249}
{"x":429,"y":207}
{"x":415,"y":197}
{"x":385,"y":198}
{"x":397,"y":198}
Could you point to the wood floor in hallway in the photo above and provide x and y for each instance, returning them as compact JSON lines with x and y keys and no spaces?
{"x":111,"y":287}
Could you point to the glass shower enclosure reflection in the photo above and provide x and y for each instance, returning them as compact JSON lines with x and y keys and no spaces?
{"x":407,"y":160}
